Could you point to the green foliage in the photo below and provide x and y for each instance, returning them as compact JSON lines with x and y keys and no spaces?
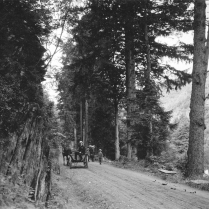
{"x":23,"y":26}
{"x":179,"y":102}
{"x":13,"y":193}
{"x":102,"y":130}
{"x":151,"y":125}
{"x":181,"y":163}
{"x":94,"y":67}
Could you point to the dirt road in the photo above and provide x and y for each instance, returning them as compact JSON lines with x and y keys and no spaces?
{"x":106,"y":187}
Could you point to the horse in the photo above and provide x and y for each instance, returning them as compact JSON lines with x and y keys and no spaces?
{"x":66,"y":152}
{"x":91,"y":152}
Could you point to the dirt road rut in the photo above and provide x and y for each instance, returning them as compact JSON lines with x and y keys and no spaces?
{"x":106,"y":187}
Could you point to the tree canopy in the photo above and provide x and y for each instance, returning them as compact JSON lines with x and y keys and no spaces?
{"x":24,"y":26}
{"x":95,"y":59}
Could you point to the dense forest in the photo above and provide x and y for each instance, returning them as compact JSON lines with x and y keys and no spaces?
{"x":113,"y":76}
{"x":110,"y":83}
{"x":113,"y":66}
{"x":26,"y":114}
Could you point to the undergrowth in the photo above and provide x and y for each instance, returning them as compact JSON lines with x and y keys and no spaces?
{"x":13,"y":194}
{"x":155,"y":164}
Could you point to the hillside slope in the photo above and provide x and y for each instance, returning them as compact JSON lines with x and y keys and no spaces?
{"x":179,"y":102}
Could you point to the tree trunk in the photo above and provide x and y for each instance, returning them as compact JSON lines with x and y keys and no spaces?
{"x":81,"y":119}
{"x":17,"y":151}
{"x":148,"y":84}
{"x":86,"y":122}
{"x":148,"y":71}
{"x":130,"y":72}
{"x":150,"y":144}
{"x":117,"y":143}
{"x":195,"y":152}
{"x":75,"y":137}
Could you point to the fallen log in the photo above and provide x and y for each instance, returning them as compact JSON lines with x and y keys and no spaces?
{"x":167,"y":172}
{"x":199,"y":181}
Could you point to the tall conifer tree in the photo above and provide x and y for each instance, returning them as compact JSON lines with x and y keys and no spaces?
{"x":114,"y":32}
{"x":197,"y":111}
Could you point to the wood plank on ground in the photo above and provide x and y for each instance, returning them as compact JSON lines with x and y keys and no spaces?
{"x":167,"y":172}
{"x":199,"y":181}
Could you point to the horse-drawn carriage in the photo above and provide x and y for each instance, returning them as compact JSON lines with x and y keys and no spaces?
{"x":72,"y":161}
{"x":73,"y":157}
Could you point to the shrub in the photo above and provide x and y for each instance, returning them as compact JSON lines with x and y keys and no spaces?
{"x":181,"y":163}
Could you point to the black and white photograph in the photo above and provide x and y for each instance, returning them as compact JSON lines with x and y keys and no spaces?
{"x":104,"y":104}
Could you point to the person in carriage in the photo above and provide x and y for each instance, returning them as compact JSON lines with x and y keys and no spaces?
{"x":80,"y":152}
